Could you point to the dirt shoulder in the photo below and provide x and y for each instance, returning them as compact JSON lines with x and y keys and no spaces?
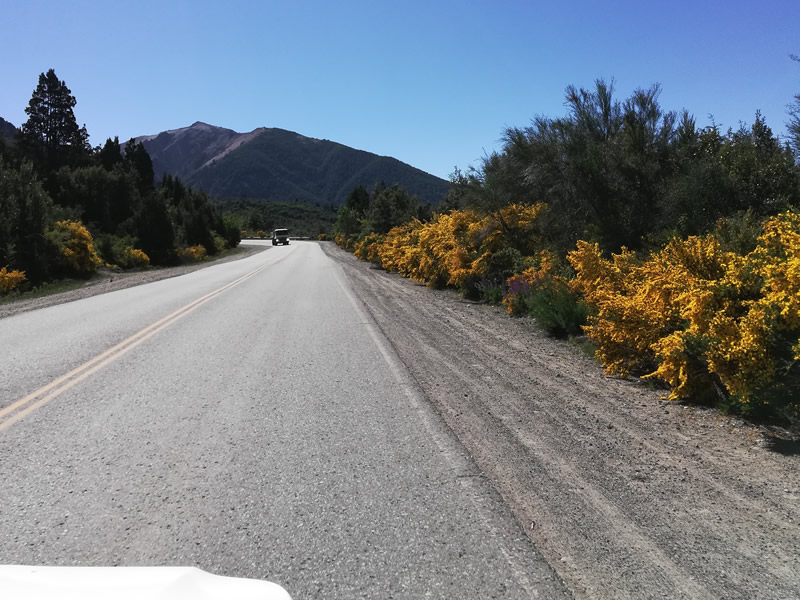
{"x":107,"y":280}
{"x":626,"y":495}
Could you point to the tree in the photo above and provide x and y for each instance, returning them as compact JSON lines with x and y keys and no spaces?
{"x":137,"y":156}
{"x":103,"y":199}
{"x":110,"y":154}
{"x":358,"y":201}
{"x":389,"y":207}
{"x":601,"y":168}
{"x":456,"y":194}
{"x":154,"y":230}
{"x":348,"y":222}
{"x":793,"y":126}
{"x":51,"y":136}
{"x":23,"y":215}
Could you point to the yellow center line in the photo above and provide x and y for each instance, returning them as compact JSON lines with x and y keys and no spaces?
{"x":14,"y":412}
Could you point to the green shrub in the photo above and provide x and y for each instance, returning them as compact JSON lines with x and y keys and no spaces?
{"x":121,"y":251}
{"x":558,"y":310}
{"x":503,"y":264}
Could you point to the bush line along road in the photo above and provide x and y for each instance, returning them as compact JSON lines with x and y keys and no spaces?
{"x":347,"y":433}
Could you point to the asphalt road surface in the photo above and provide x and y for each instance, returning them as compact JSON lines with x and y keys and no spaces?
{"x":251,"y":420}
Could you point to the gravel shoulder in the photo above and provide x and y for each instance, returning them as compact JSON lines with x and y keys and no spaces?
{"x":625,"y":495}
{"x":107,"y":280}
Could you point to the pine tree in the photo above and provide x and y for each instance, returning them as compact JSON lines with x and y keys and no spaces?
{"x":793,"y":126}
{"x":110,"y":154}
{"x":23,"y":215}
{"x":138,"y":157}
{"x":358,"y":201}
{"x":51,"y":136}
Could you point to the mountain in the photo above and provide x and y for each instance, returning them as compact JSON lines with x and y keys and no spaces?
{"x":7,"y":130}
{"x":275,"y":164}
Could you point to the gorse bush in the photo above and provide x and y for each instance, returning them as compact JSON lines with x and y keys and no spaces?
{"x":711,"y":323}
{"x":456,"y":249}
{"x":368,"y":248}
{"x":72,"y":249}
{"x":136,"y":259}
{"x":10,"y":280}
{"x":192,"y":253}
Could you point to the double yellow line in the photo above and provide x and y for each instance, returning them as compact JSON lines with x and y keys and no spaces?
{"x":14,"y":412}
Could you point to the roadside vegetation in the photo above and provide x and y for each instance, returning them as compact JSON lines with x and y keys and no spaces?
{"x":675,"y":249}
{"x":67,"y":209}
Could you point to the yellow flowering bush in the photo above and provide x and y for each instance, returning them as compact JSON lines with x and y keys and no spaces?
{"x":10,"y":280}
{"x":758,"y":351}
{"x":512,"y":225}
{"x":346,"y":243}
{"x":708,"y":322}
{"x":446,"y":252}
{"x":192,"y":253}
{"x":633,"y":307}
{"x":72,"y":249}
{"x":452,"y":247}
{"x":368,"y":248}
{"x":519,"y":286}
{"x":399,"y":251}
{"x":137,"y":258}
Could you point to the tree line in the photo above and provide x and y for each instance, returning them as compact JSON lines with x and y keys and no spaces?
{"x":61,"y":199}
{"x":625,"y":174}
{"x":379,"y":211}
{"x":631,"y":174}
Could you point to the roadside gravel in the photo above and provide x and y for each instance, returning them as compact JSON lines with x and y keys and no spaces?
{"x":107,"y":280}
{"x":626,"y":495}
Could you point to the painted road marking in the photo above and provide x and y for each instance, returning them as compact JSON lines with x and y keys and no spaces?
{"x":15,"y":411}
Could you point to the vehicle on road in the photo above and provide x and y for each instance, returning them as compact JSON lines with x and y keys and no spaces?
{"x":280,"y":236}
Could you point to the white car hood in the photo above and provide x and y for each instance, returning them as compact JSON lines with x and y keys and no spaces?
{"x":130,"y":583}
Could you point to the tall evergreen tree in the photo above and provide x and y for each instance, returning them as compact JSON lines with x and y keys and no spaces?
{"x":358,"y":200}
{"x":23,"y":214}
{"x":51,"y":136}
{"x":154,"y":230}
{"x":793,"y":126}
{"x":110,"y":154}
{"x":138,"y":157}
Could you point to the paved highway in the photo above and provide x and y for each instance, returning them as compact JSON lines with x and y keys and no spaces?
{"x":249,"y":419}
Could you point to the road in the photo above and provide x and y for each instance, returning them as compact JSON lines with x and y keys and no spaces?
{"x":249,"y":419}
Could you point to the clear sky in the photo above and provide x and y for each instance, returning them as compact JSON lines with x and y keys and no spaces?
{"x":432,"y":83}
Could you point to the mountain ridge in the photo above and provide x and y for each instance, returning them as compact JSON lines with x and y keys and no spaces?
{"x":7,"y":130}
{"x":277,"y":164}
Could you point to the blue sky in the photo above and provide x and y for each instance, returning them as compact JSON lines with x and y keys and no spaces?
{"x":433,"y":83}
